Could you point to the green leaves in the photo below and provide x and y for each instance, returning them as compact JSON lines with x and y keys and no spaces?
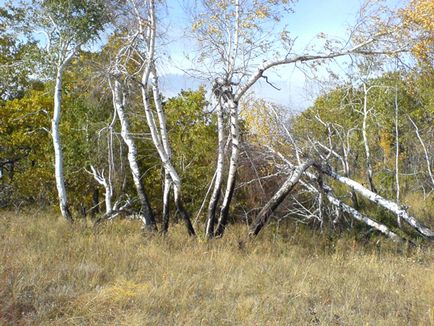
{"x":78,"y":20}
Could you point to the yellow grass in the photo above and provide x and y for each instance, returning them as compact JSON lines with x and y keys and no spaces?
{"x":55,"y":274}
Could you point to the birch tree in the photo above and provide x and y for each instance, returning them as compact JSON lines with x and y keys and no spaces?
{"x":67,"y":26}
{"x":145,"y":48}
{"x":119,"y":94}
{"x":238,"y":49}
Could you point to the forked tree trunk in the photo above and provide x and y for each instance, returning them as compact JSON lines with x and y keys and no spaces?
{"x":233,"y":165}
{"x":163,"y":148}
{"x":147,"y":214}
{"x":108,"y":189}
{"x":147,"y":28}
{"x":215,"y":196}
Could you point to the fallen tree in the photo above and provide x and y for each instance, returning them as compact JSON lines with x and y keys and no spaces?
{"x":300,"y":170}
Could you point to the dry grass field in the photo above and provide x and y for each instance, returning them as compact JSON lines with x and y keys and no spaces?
{"x":52,"y":273}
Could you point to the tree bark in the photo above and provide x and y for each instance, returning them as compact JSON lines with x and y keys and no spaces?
{"x":166,"y":203}
{"x":359,"y":216}
{"x":161,"y":143}
{"x":365,"y":139}
{"x":387,"y":204}
{"x":147,"y":214}
{"x":233,"y":165}
{"x":215,"y":196}
{"x":427,"y":159}
{"x":55,"y":134}
{"x":147,"y":28}
{"x":277,"y":198}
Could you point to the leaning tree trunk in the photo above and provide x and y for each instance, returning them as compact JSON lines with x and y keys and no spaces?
{"x":233,"y":165}
{"x":147,"y":28}
{"x":387,"y":204}
{"x":58,"y":153}
{"x":163,"y":148}
{"x":354,"y":213}
{"x":147,"y":214}
{"x":359,"y":216}
{"x":215,"y":196}
{"x":277,"y":198}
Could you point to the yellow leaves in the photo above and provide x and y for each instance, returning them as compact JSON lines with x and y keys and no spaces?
{"x":213,"y":29}
{"x":386,"y":143}
{"x":419,"y":17}
{"x":260,"y":121}
{"x":262,"y":13}
{"x":197,"y":25}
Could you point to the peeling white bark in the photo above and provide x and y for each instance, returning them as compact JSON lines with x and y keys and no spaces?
{"x":233,"y":165}
{"x":159,"y":136}
{"x":277,"y":198}
{"x":103,"y":181}
{"x":385,"y":203}
{"x":55,"y":134}
{"x":215,"y":196}
{"x":340,"y":204}
{"x":119,"y":98}
{"x":359,"y":216}
{"x":365,"y":138}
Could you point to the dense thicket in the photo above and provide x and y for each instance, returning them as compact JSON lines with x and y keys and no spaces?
{"x":118,"y":129}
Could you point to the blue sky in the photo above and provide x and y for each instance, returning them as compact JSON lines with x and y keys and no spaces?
{"x":311,"y":17}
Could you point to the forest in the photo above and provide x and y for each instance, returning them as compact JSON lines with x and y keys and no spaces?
{"x":97,"y":159}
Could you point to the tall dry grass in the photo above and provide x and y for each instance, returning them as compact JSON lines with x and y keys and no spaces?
{"x":52,"y":273}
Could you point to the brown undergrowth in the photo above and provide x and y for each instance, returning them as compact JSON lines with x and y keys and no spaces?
{"x":52,"y":273}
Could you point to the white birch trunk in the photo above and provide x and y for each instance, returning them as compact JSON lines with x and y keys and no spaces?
{"x":397,"y":153}
{"x":427,"y":159}
{"x":269,"y":208}
{"x":55,"y":134}
{"x":359,"y":216}
{"x":166,"y":147}
{"x":108,"y":190}
{"x":385,"y":203}
{"x":233,"y":165}
{"x":365,"y":139}
{"x":160,"y":140}
{"x":166,"y":201}
{"x":159,"y":137}
{"x":147,"y":215}
{"x":215,"y":196}
{"x":341,"y":205}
